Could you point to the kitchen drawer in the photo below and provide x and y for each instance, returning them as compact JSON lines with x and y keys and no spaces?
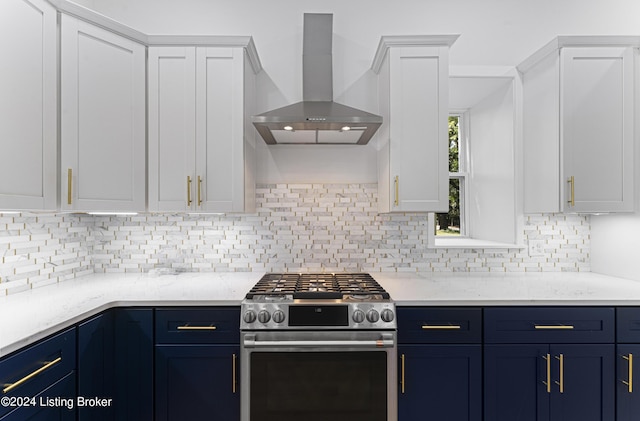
{"x":28,"y":372}
{"x":64,"y":391}
{"x":628,"y":325}
{"x":203,"y":325}
{"x":549,"y":325}
{"x":439,"y":325}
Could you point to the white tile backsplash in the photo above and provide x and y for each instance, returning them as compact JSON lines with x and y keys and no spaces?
{"x":297,"y":227}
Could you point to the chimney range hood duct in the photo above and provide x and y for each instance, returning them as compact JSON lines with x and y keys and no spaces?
{"x":317,"y":119}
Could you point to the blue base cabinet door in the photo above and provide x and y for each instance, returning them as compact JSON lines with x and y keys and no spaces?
{"x":197,"y":382}
{"x":115,"y":361}
{"x":628,"y":393}
{"x":133,"y":394}
{"x":585,"y":387}
{"x":96,"y":364}
{"x":440,"y":383}
{"x":537,"y":382}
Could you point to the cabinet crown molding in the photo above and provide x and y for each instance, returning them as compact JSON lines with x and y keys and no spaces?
{"x":112,"y":25}
{"x":578,"y":41}
{"x":389,"y":41}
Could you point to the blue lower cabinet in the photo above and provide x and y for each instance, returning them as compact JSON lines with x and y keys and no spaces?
{"x":628,"y":394}
{"x":96,"y":365}
{"x":56,"y":403}
{"x":134,"y":372}
{"x":440,"y":382}
{"x":537,"y":382}
{"x":115,"y":365}
{"x":197,"y":382}
{"x":32,"y":375}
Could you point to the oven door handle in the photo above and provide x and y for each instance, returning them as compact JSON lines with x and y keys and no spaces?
{"x":384,"y":342}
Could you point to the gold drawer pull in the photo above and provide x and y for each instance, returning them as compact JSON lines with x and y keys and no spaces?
{"x":554,"y":327}
{"x":572,"y":184}
{"x":630,"y":382}
{"x":28,"y":377}
{"x":199,"y":191}
{"x":396,"y":199}
{"x":69,"y":185}
{"x":189,"y":201}
{"x":441,"y":327}
{"x":189,"y":327}
{"x":561,"y":382}
{"x":548,"y":382}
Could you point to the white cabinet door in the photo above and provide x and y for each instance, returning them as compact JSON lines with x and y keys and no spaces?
{"x":28,"y":105}
{"x":199,"y":154}
{"x":220,"y":126}
{"x":102,"y":119}
{"x":417,"y":173}
{"x":172,"y":112}
{"x":597,"y":129}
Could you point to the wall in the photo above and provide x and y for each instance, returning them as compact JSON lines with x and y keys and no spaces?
{"x":616,"y":242}
{"x":297,"y":227}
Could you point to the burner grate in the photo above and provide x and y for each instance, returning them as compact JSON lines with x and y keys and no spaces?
{"x":317,"y":286}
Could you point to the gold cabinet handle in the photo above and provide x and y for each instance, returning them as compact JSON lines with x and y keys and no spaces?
{"x":548,"y":382}
{"x":554,"y":327}
{"x":189,"y":190}
{"x":561,"y":382}
{"x":69,"y":185}
{"x":28,"y":377}
{"x":234,"y":359}
{"x":199,"y":191}
{"x":396,"y":199}
{"x":402,"y":373}
{"x":441,"y":327}
{"x":629,"y":383}
{"x":189,"y":327}
{"x":572,"y":183}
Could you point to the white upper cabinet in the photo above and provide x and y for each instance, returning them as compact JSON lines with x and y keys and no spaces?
{"x":172,"y":116}
{"x":413,"y":164}
{"x":102,"y":119}
{"x":201,"y":142}
{"x":28,"y":105}
{"x":579,"y":126}
{"x":597,"y":129}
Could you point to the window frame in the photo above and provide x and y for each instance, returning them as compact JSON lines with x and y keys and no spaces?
{"x":462,"y":174}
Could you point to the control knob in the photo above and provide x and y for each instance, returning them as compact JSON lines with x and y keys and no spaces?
{"x":264,"y":316}
{"x":249,"y":316}
{"x":373,"y":316}
{"x":387,"y":315}
{"x":358,"y":316}
{"x":278,"y":316}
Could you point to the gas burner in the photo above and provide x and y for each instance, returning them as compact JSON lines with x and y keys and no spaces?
{"x":319,"y":286}
{"x":317,"y":302}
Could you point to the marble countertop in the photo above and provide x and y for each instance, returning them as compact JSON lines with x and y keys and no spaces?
{"x":29,"y":316}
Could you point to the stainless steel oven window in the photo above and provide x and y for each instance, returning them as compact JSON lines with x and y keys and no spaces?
{"x":310,"y":386}
{"x":350,"y":376}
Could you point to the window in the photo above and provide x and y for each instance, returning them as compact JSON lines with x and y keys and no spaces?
{"x":454,"y":222}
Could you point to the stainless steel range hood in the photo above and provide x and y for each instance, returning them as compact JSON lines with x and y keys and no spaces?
{"x":317,"y":119}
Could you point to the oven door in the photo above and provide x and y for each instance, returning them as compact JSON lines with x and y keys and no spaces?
{"x":318,"y":376}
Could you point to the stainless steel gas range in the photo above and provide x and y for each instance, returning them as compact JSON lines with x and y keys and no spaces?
{"x":318,"y":347}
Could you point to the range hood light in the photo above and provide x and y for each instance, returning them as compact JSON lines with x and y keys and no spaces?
{"x":346,"y":128}
{"x":288,"y":128}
